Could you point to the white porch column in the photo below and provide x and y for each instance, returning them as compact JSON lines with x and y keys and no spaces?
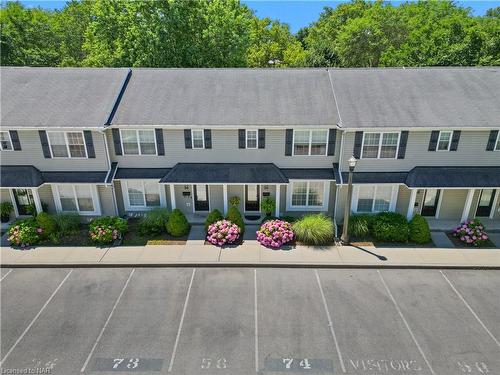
{"x":278,"y":191}
{"x":172,"y":196}
{"x":38,"y":203}
{"x":224,"y":197}
{"x":468,"y":203}
{"x":411,"y":204}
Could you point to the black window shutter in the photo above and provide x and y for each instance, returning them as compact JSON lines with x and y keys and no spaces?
{"x":491,"y":140}
{"x":89,"y":142}
{"x":187,"y":138}
{"x":160,"y":145}
{"x":208,"y":138}
{"x":45,"y":144}
{"x":434,"y":140}
{"x":332,"y":137}
{"x":262,"y":138}
{"x":14,"y":137}
{"x":241,"y":138}
{"x":403,"y":139}
{"x":358,"y":141}
{"x":117,"y":141}
{"x":454,"y":140}
{"x":288,"y":142}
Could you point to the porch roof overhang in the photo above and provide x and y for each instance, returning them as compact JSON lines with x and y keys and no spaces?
{"x":308,"y":173}
{"x":231,"y":173}
{"x":18,"y":176}
{"x":453,"y":177}
{"x":141,"y":173}
{"x":75,"y":177}
{"x":370,"y":177}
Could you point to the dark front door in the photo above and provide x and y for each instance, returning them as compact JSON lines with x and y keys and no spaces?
{"x":252,"y":201}
{"x":431,"y":199}
{"x":24,"y":199}
{"x":201,"y":198}
{"x":485,"y":204}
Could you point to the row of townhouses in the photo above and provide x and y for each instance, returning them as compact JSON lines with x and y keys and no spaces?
{"x":123,"y":141}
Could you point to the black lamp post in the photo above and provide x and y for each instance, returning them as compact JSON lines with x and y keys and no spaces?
{"x":347,"y":211}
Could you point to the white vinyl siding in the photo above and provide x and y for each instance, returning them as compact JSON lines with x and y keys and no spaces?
{"x":380,"y":145}
{"x":138,"y":142}
{"x":310,"y":142}
{"x":67,"y":144}
{"x":5,"y":141}
{"x":82,"y":199}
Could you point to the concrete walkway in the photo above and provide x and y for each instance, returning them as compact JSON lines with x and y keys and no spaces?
{"x":251,"y":253}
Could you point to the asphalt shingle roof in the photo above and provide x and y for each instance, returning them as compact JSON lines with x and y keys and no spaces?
{"x":58,"y":97}
{"x":308,"y":173}
{"x":442,"y":177}
{"x":227,"y":97}
{"x":418,"y":97}
{"x":30,"y":176}
{"x":139,"y":173}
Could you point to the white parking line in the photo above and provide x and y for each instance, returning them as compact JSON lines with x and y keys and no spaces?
{"x":35,"y":318}
{"x":4,"y":276}
{"x":470,"y":309}
{"x":256,"y":322}
{"x":181,"y":322}
{"x":330,"y":324}
{"x":107,"y":321}
{"x":405,"y":322}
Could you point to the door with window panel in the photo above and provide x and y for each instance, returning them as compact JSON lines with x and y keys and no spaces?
{"x":485,"y":204}
{"x":431,"y":200}
{"x":201,"y":198}
{"x":24,"y":201}
{"x":252,"y":195}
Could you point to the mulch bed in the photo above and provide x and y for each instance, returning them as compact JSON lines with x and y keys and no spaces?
{"x":457,"y":243}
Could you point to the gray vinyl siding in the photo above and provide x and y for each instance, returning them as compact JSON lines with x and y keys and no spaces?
{"x":31,"y":154}
{"x":119,"y":197}
{"x":106,"y":199}
{"x":471,"y":152}
{"x":224,"y":149}
{"x":185,"y":204}
{"x":216,"y":196}
{"x":46,"y":196}
{"x":452,"y":203}
{"x":403,"y":200}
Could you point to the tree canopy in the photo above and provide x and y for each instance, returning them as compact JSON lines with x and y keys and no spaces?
{"x":226,"y":33}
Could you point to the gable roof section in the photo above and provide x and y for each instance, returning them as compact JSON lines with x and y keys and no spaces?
{"x":226,"y":97}
{"x":58,"y":97}
{"x":418,"y":97}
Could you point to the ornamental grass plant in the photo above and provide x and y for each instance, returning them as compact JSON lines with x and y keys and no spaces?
{"x":315,"y":230}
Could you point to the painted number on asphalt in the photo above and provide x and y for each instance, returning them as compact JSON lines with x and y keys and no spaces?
{"x":128,"y":364}
{"x":298,"y":364}
{"x":473,"y":367}
{"x":214,"y":363}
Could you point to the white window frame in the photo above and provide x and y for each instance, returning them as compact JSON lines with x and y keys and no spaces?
{"x":326,"y":197}
{"x":202,"y":138}
{"x":439,"y":139}
{"x":256,"y":139}
{"x":139,"y":142}
{"x":67,"y":145}
{"x":392,"y":204}
{"x":10,"y":141}
{"x":95,"y":199}
{"x":310,"y":142}
{"x":126,"y":200}
{"x":380,"y":145}
{"x":497,"y":143}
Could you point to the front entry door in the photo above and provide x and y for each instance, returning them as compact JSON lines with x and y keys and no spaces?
{"x":485,"y":202}
{"x":24,"y":199}
{"x":201,"y":198}
{"x":431,"y":199}
{"x":252,"y":201}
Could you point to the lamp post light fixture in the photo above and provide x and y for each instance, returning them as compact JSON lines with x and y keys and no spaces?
{"x":347,"y":212}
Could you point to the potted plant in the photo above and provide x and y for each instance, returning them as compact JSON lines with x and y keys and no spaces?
{"x":268,"y":206}
{"x":5,"y":210}
{"x":234,"y":201}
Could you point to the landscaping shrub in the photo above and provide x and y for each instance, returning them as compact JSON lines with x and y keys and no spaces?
{"x":47,"y":223}
{"x":107,"y":229}
{"x":177,"y":224}
{"x":390,"y":227}
{"x":289,"y":219}
{"x":268,"y":218}
{"x":268,"y":206}
{"x":5,"y":209}
{"x":314,"y":230}
{"x":275,"y":233}
{"x":223,"y":232}
{"x":67,"y":223}
{"x":24,"y":232}
{"x":419,"y":229}
{"x":154,"y":222}
{"x":234,"y":216}
{"x":31,"y":208}
{"x":471,"y":232}
{"x":213,"y":216}
{"x":360,"y":225}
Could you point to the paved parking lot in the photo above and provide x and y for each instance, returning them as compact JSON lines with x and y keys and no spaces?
{"x":247,"y":321}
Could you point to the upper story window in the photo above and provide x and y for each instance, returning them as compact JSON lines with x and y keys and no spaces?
{"x":5,"y":141}
{"x":310,"y":142}
{"x":380,"y":145}
{"x":198,"y":139}
{"x":444,"y":140}
{"x":138,"y":142}
{"x":67,"y":144}
{"x":251,"y":138}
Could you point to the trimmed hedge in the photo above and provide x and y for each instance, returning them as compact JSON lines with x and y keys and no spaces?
{"x":360,"y":226}
{"x":390,"y":227}
{"x":177,"y":224}
{"x":419,"y":230}
{"x":47,"y":223}
{"x":234,"y":216}
{"x":154,"y":222}
{"x":314,"y":230}
{"x":213,"y":217}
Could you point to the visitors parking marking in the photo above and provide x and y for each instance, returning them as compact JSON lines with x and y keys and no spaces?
{"x":385,"y":366}
{"x":473,"y":367}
